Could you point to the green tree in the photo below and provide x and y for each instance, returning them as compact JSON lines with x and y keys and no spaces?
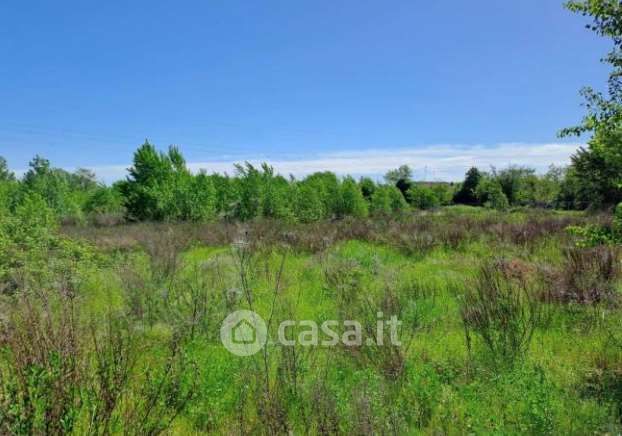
{"x":517,"y":183}
{"x":5,"y":174}
{"x":598,"y":168}
{"x":32,"y":222}
{"x":400,"y":178}
{"x":490,"y":194}
{"x":387,"y":199}
{"x":467,"y":192}
{"x":160,"y":187}
{"x":404,"y":172}
{"x":248,"y":183}
{"x":328,"y":187}
{"x":8,"y":188}
{"x":422,"y":197}
{"x":201,"y":199}
{"x":380,"y":203}
{"x":83,"y":179}
{"x":308,"y":204}
{"x":547,"y":191}
{"x":104,"y":200}
{"x":352,"y":201}
{"x":55,"y":186}
{"x":143,"y":189}
{"x":368,"y":187}
{"x":604,"y":112}
{"x":398,"y":202}
{"x":444,"y":192}
{"x":275,"y":196}
{"x":225,"y":195}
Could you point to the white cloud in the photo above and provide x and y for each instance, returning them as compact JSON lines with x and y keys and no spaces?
{"x":434,"y":162}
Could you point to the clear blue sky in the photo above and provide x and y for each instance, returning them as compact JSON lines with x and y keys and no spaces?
{"x":84,"y":82}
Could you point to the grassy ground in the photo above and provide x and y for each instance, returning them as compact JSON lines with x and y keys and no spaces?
{"x":441,"y":387}
{"x":149,"y":309}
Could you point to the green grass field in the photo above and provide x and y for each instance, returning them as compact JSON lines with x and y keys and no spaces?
{"x":125,"y":338}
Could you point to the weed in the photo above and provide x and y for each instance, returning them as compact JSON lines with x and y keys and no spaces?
{"x":501,"y":307}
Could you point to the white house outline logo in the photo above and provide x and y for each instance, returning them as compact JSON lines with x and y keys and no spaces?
{"x":243,"y":333}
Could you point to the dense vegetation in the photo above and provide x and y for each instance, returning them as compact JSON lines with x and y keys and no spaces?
{"x":160,"y":187}
{"x":508,"y":325}
{"x":507,"y":285}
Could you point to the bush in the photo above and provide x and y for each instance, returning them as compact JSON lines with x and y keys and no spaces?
{"x":588,"y":276}
{"x":32,"y":224}
{"x":160,"y":187}
{"x":308,"y":204}
{"x":466,"y":194}
{"x":517,"y":183}
{"x":104,"y":201}
{"x":491,"y":195}
{"x":398,"y":202}
{"x":352,"y":201}
{"x":386,"y":200}
{"x":502,"y":309}
{"x":40,"y":370}
{"x":381,"y":201}
{"x":422,"y":197}
{"x":592,"y":235}
{"x":444,"y":192}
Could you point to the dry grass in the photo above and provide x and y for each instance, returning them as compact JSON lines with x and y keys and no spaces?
{"x":412,"y":234}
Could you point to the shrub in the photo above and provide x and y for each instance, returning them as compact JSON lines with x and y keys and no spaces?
{"x":27,"y":235}
{"x":40,"y":367}
{"x":588,"y":276}
{"x":368,"y":187}
{"x":422,"y":197}
{"x":324,"y":412}
{"x":160,"y":187}
{"x":516,"y":183}
{"x":352,"y":201}
{"x":490,"y":194}
{"x":444,"y":192}
{"x":398,"y":202}
{"x":608,"y":233}
{"x":381,"y":201}
{"x":308,"y":204}
{"x":104,"y":200}
{"x":386,"y":200}
{"x":592,"y":235}
{"x":501,"y":307}
{"x":466,"y":194}
{"x":329,"y":190}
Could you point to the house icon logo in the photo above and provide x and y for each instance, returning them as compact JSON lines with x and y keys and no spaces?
{"x":243,"y":333}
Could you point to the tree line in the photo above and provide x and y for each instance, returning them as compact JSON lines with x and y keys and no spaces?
{"x":160,"y":186}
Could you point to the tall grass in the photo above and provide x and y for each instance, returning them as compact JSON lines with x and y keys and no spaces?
{"x":502,"y":307}
{"x":141,"y":355}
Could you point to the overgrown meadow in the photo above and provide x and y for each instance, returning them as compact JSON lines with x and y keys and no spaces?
{"x":510,"y":324}
{"x":112,"y":300}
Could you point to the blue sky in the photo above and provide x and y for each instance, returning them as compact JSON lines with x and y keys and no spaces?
{"x":352,"y":86}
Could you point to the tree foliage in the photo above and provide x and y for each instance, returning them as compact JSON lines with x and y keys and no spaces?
{"x":352,"y":201}
{"x":422,"y":197}
{"x":490,"y":193}
{"x":598,"y":167}
{"x":400,"y":178}
{"x":466,"y":194}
